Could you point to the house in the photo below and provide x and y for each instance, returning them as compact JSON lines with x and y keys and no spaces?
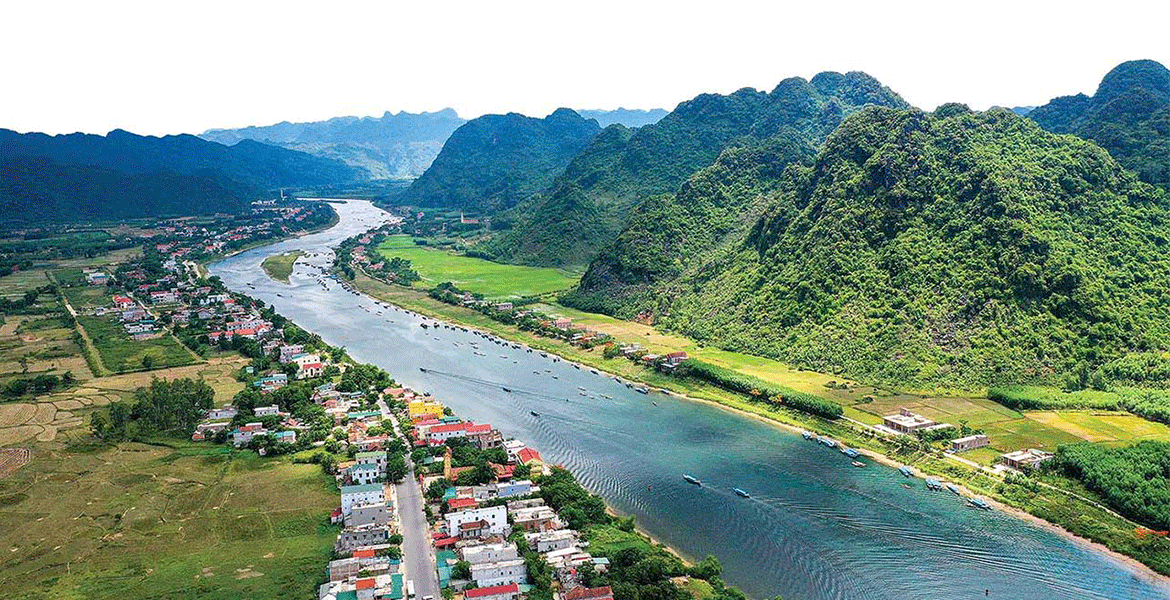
{"x":970,"y":442}
{"x":363,"y":474}
{"x":503,"y":306}
{"x":123,"y":302}
{"x":488,"y":553}
{"x":222,"y":414}
{"x":97,"y":278}
{"x":418,"y":408}
{"x":272,"y":382}
{"x":266,"y":411}
{"x":536,"y":518}
{"x":562,"y":323}
{"x":510,"y":591}
{"x":504,"y":572}
{"x":551,"y":540}
{"x":462,"y":503}
{"x":163,"y":297}
{"x":310,"y":370}
{"x":287,"y":436}
{"x":243,"y":435}
{"x":513,"y":448}
{"x":484,"y":436}
{"x":288,"y":351}
{"x":441,"y":433}
{"x":583,"y":593}
{"x":907,"y":422}
{"x":368,"y":514}
{"x":530,"y":457}
{"x":674,"y":359}
{"x":375,"y":459}
{"x":494,"y":518}
{"x":1026,"y":459}
{"x":365,"y":535}
{"x":357,"y":495}
{"x":511,"y":489}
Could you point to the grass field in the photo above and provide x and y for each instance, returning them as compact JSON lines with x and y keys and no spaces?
{"x":493,"y":280}
{"x":280,"y":266}
{"x":121,"y":353}
{"x":15,"y":285}
{"x":150,"y":521}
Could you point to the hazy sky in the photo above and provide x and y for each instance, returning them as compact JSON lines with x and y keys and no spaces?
{"x":168,"y":67}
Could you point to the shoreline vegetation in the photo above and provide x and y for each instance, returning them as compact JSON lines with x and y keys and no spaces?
{"x":1068,"y":513}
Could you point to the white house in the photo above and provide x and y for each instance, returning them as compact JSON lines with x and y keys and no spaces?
{"x":495,"y":518}
{"x":355,"y":495}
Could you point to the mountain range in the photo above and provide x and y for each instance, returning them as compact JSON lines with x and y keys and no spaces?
{"x":586,"y":205}
{"x":948,"y":249}
{"x":393,"y":146}
{"x":495,"y":161}
{"x":123,"y":175}
{"x":1129,"y":115}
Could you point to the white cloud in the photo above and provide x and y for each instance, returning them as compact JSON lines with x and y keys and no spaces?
{"x":162,"y":67}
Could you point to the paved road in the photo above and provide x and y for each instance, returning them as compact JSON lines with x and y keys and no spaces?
{"x":417,"y":553}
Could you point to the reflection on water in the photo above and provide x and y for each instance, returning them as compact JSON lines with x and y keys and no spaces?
{"x":815,"y":528}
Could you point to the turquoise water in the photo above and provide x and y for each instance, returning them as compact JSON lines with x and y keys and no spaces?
{"x":815,"y":528}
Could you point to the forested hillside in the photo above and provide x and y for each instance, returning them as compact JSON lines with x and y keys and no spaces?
{"x":628,"y":117}
{"x":79,"y":176}
{"x":394,"y":146}
{"x":589,"y":203}
{"x":1129,"y":116}
{"x":958,"y":249}
{"x":495,"y":161}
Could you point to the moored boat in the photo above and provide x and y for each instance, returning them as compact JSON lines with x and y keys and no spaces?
{"x":979,"y":503}
{"x":905,"y":471}
{"x":692,"y":480}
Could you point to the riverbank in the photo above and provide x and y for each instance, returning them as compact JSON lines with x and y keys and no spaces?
{"x":1077,"y":520}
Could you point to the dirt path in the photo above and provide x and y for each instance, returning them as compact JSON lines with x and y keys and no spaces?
{"x":89,"y":347}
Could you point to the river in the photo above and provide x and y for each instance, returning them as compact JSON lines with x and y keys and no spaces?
{"x":815,"y":528}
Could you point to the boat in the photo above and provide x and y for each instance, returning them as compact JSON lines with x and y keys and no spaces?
{"x":423,"y":369}
{"x":850,"y":452}
{"x":424,"y":325}
{"x":906,"y":472}
{"x":954,"y":489}
{"x":692,"y":480}
{"x":933,"y":483}
{"x":742,"y":493}
{"x":858,"y":463}
{"x":654,"y":403}
{"x":827,"y":442}
{"x":807,"y":435}
{"x":534,"y":413}
{"x":642,"y":390}
{"x":509,"y":390}
{"x":979,"y":503}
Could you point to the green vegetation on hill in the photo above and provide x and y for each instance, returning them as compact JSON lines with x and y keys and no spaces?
{"x":1129,"y":116}
{"x":495,"y":161}
{"x":588,"y":204}
{"x":121,"y":175}
{"x":665,"y":234}
{"x":1132,"y":479}
{"x":955,"y":249}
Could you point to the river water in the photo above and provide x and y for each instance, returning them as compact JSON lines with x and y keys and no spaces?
{"x":815,"y":528}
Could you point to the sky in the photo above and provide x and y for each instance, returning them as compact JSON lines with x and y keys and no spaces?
{"x":184,"y":67}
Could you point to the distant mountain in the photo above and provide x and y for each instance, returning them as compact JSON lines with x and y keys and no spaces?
{"x":1129,"y":116}
{"x":495,"y":161}
{"x":394,"y":146}
{"x":81,"y":176}
{"x":629,"y":117}
{"x":957,"y":249}
{"x":589,"y":203}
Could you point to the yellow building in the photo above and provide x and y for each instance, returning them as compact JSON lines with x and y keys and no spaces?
{"x":418,"y":408}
